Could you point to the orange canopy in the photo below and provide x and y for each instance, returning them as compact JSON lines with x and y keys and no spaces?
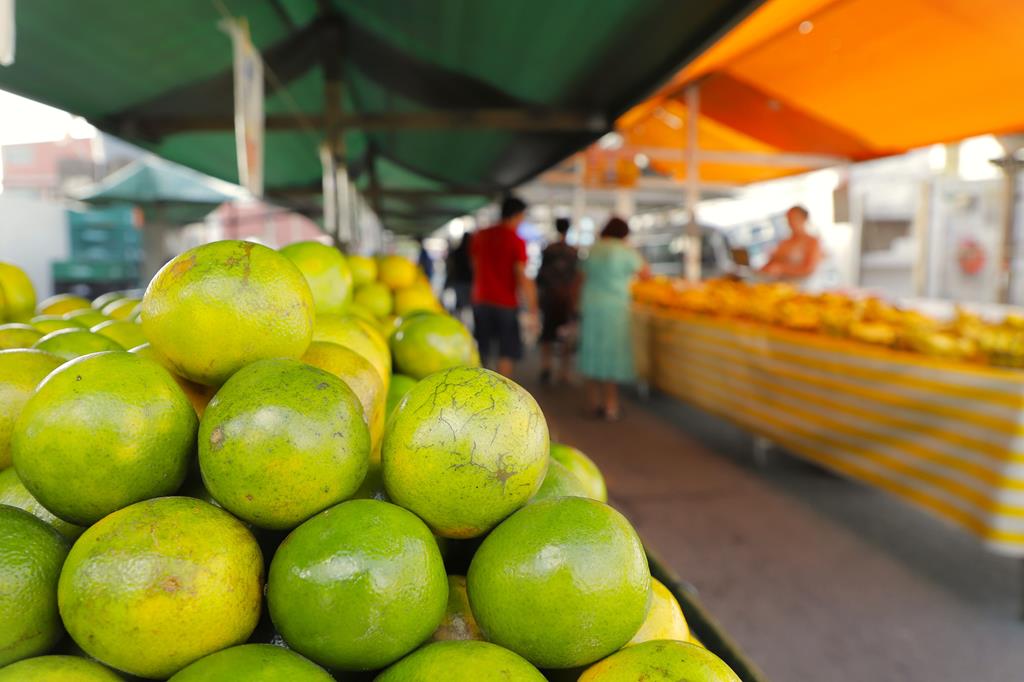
{"x":856,"y":79}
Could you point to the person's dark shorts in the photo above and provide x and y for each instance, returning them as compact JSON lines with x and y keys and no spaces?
{"x":492,"y":323}
{"x":556,"y":313}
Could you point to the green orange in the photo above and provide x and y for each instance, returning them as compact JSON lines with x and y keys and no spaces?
{"x":102,"y":432}
{"x":18,"y":293}
{"x":326,"y":271}
{"x":358,"y":586}
{"x":122,"y":308}
{"x":560,"y":482}
{"x":101,"y":301}
{"x":415,"y":298}
{"x":21,"y":370}
{"x":425,"y":344}
{"x":87,"y":317}
{"x":400,"y":386}
{"x":459,"y":622}
{"x":52,"y":323}
{"x":74,"y":343}
{"x":375,"y":297}
{"x":60,"y":304}
{"x":253,"y":663}
{"x":198,"y":394}
{"x":31,"y":555}
{"x":583,"y":468}
{"x":359,"y":335}
{"x":364,"y":269}
{"x":466,"y":448}
{"x":661,"y":661}
{"x":461,"y":662}
{"x":359,"y":375}
{"x":215,"y":308}
{"x":15,"y":494}
{"x":562,"y":582}
{"x":281,"y":441}
{"x":665,"y":619}
{"x":58,"y":669}
{"x":122,"y":332}
{"x":160,"y":584}
{"x":18,"y":335}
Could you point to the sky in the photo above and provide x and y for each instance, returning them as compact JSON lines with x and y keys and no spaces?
{"x":22,"y":120}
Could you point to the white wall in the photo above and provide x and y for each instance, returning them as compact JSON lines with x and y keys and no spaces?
{"x":33,"y":234}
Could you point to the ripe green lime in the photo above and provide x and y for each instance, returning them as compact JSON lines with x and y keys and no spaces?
{"x":18,"y":293}
{"x":461,"y":662}
{"x":18,"y":335}
{"x":87,"y":317}
{"x":51,"y":323}
{"x":253,"y":663}
{"x":661,"y":661}
{"x":102,"y":432}
{"x":459,"y":622}
{"x":359,"y":335}
{"x":13,"y":493}
{"x":326,"y":271}
{"x":400,"y":386}
{"x":425,"y":344}
{"x":281,"y":441}
{"x":359,"y":375}
{"x":358,"y":586}
{"x":74,"y":343}
{"x":215,"y":308}
{"x":560,"y":482}
{"x":466,"y":448}
{"x":58,"y":669}
{"x":561,"y":582}
{"x":157,"y":585}
{"x":665,"y":619}
{"x":125,"y":333}
{"x":61,"y":303}
{"x":21,"y":370}
{"x":583,"y":468}
{"x":31,"y":555}
{"x":364,"y":269}
{"x":375,"y":297}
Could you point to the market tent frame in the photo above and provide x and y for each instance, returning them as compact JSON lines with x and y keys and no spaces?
{"x":432,"y":108}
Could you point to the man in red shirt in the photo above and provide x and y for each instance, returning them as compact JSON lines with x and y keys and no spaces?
{"x":499,"y":279}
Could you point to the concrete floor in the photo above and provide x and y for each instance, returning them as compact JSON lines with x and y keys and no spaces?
{"x":818,"y":579}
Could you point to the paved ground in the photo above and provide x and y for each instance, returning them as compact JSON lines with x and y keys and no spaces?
{"x":819,"y":579}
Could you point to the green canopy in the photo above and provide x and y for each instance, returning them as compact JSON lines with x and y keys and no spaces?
{"x":444,"y":103}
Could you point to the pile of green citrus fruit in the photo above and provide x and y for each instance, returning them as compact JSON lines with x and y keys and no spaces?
{"x":287,"y":466}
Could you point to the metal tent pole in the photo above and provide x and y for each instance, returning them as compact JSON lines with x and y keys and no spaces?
{"x":692,"y":265}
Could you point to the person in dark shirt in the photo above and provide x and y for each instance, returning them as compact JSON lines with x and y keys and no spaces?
{"x":557,"y":287}
{"x":459,"y":275}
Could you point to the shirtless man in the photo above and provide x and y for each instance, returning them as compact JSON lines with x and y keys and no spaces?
{"x":797,"y":256}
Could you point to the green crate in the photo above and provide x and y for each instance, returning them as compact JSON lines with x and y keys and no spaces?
{"x":94,"y":271}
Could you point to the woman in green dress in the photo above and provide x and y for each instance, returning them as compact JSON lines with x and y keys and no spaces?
{"x":606,"y":348}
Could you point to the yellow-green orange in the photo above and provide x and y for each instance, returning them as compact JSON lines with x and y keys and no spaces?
{"x":399,"y":387}
{"x":186,"y":582}
{"x":18,"y":293}
{"x":661,"y":661}
{"x":21,"y":370}
{"x":31,"y":555}
{"x":364,"y":269}
{"x":18,"y":335}
{"x":583,"y":468}
{"x":458,"y":623}
{"x":560,"y":482}
{"x":253,"y":663}
{"x":388,"y":325}
{"x":52,"y":323}
{"x":198,"y":394}
{"x":74,"y":343}
{"x":361,"y":311}
{"x":61,"y":304}
{"x":562,"y":582}
{"x":215,"y":308}
{"x":15,"y":494}
{"x":466,"y":448}
{"x":461,"y":662}
{"x":87,"y":317}
{"x":415,"y":298}
{"x":281,"y":441}
{"x":327,"y":272}
{"x":122,"y":332}
{"x":375,"y":297}
{"x":58,"y":669}
{"x":325,"y":604}
{"x":102,"y":432}
{"x":359,"y":375}
{"x":122,"y":308}
{"x":426,"y":344}
{"x":101,"y":301}
{"x":360,"y":336}
{"x":664,"y":619}
{"x":397,"y":272}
